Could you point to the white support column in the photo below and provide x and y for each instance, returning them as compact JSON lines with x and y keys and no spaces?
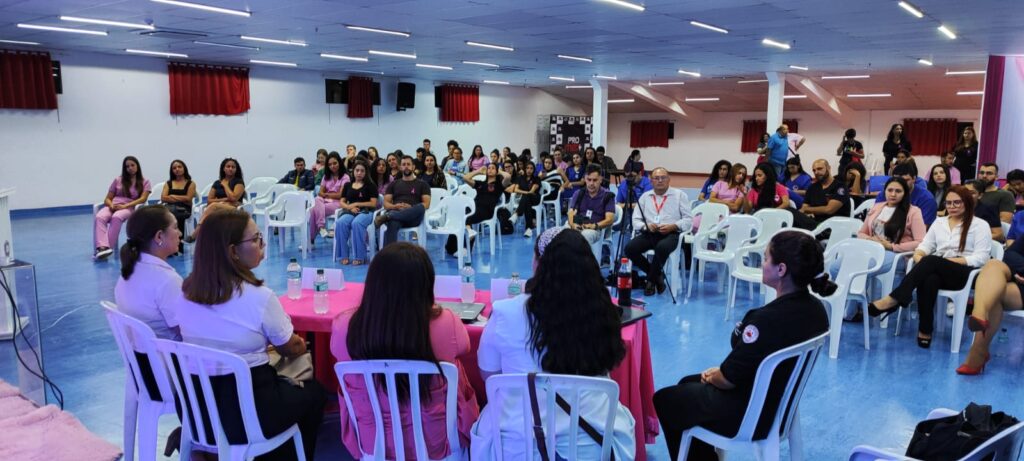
{"x":776,"y":91}
{"x":599,"y":123}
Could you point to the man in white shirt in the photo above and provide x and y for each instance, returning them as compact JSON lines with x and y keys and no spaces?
{"x":663,"y":213}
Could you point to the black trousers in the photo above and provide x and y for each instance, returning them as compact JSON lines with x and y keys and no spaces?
{"x":691,"y":403}
{"x":662,"y":244}
{"x":932,"y":274}
{"x":526,"y":204}
{"x":182,"y":214}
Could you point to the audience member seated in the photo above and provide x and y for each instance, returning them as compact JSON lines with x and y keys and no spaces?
{"x":359,"y":201}
{"x":126,"y":191}
{"x":895,"y":142}
{"x":528,"y":189}
{"x":402,"y":322}
{"x":560,"y":159}
{"x":717,"y":398}
{"x":394,"y":160}
{"x":991,"y":195}
{"x":574,"y":174}
{"x":954,"y":174}
{"x":998,"y":289}
{"x":985,"y":212}
{"x":607,"y":164}
{"x":149,"y":287}
{"x":765,"y":192}
{"x":938,"y":183}
{"x":495,"y":157}
{"x":549,"y":170}
{"x":350,"y":155}
{"x":560,"y":328}
{"x":488,"y":194}
{"x":720,"y":172}
{"x":1015,"y":186}
{"x":320,"y":165}
{"x":856,"y":182}
{"x":431,"y":174}
{"x":370,"y":154}
{"x":904,"y":157}
{"x":405,"y":201}
{"x":919,"y":195}
{"x":328,"y":199}
{"x":731,"y":192}
{"x":477,"y":159}
{"x":177,"y":196}
{"x":592,"y":209}
{"x":664,"y":212}
{"x":826,"y":198}
{"x":456,"y":166}
{"x":452,"y":144}
{"x":630,"y":191}
{"x":590,"y":156}
{"x":633,"y":163}
{"x":300,"y":177}
{"x":796,"y":180}
{"x":1016,"y":228}
{"x":380,"y":175}
{"x":229,"y":189}
{"x":226,"y":307}
{"x":954,"y":245}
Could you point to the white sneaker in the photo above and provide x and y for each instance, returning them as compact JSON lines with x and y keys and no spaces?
{"x":323,"y":233}
{"x":104,"y":253}
{"x":950,"y":308}
{"x":528,"y":233}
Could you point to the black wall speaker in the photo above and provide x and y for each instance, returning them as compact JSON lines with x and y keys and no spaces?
{"x":406,"y":96}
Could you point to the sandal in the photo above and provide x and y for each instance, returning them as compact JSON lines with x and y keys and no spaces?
{"x":924,"y":343}
{"x":344,"y":262}
{"x":357,"y":262}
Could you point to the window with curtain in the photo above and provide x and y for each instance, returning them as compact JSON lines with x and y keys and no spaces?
{"x":648,"y":133}
{"x":198,"y":89}
{"x":460,"y":103}
{"x":931,"y":136}
{"x":26,"y":80}
{"x":360,"y":97}
{"x":753,"y":129}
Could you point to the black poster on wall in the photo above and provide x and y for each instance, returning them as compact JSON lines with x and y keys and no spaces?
{"x":572,"y":132}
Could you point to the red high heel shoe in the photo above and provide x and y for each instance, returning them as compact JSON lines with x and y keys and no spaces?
{"x":976,"y":324}
{"x":966,"y":370}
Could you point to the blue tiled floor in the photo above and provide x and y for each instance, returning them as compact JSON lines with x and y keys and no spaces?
{"x":873,"y":397}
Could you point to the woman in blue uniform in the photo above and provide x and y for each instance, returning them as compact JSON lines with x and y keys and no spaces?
{"x":717,"y":398}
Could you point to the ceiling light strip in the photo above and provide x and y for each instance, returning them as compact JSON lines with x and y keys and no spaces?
{"x":970,"y":93}
{"x":343,"y":57}
{"x":709,"y":27}
{"x":19,"y":42}
{"x":926,"y":62}
{"x":378,"y":31}
{"x":843,"y":77}
{"x":702,"y":99}
{"x":497,"y":82}
{"x":621,"y":101}
{"x":912,"y":9}
{"x":965,"y":72}
{"x":274,"y":63}
{"x":433,"y":66}
{"x":156,"y":53}
{"x":575,"y":58}
{"x":198,"y":6}
{"x":775,"y":43}
{"x":227,"y":45}
{"x":562,"y":79}
{"x":105,"y":22}
{"x":803,"y":68}
{"x":688,"y":72}
{"x":62,"y":29}
{"x":947,"y":32}
{"x":578,"y":87}
{"x":752,"y":81}
{"x":625,"y":4}
{"x":665,"y":83}
{"x":488,"y":45}
{"x":482,"y":64}
{"x":273,"y":40}
{"x":869,"y":95}
{"x":393,"y":54}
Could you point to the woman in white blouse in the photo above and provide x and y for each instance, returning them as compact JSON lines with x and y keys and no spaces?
{"x":555,"y":328}
{"x":148,"y":285}
{"x":954,"y":245}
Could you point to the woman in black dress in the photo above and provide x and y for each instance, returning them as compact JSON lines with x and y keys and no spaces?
{"x":966,"y":150}
{"x":895,"y":143}
{"x":178,"y":194}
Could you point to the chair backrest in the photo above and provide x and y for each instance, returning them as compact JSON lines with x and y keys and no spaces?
{"x":842,"y":228}
{"x":499,"y":289}
{"x":200,"y":365}
{"x":204,"y":193}
{"x":877,"y":183}
{"x":739,"y":229}
{"x":259,"y":186}
{"x":854,"y":255}
{"x":437,"y":195}
{"x":772,"y":220}
{"x":389,"y":369}
{"x":545,"y":188}
{"x":996,"y":251}
{"x":515,"y":387}
{"x":294,"y":205}
{"x":447,"y":286}
{"x":157,"y":191}
{"x":804,"y":355}
{"x":270,"y":195}
{"x":711,"y":214}
{"x":135,"y":339}
{"x":466,"y":190}
{"x":456,"y":209}
{"x":335,"y":278}
{"x":861,"y":212}
{"x":451,"y":183}
{"x":1004,"y":446}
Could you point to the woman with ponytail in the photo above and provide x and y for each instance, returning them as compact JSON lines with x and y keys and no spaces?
{"x":717,"y":398}
{"x":148,"y":285}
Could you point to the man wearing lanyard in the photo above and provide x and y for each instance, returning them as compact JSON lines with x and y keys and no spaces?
{"x":662,"y":214}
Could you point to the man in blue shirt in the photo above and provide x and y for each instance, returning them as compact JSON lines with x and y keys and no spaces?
{"x":300,"y":177}
{"x":640,"y":185}
{"x":778,"y":149}
{"x":919,"y":195}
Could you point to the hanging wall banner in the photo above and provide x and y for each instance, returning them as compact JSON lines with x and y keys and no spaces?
{"x":572,"y":132}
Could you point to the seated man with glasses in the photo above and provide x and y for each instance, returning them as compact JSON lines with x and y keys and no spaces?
{"x":662,"y":213}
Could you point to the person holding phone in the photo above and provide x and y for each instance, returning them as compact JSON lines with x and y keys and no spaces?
{"x":849,"y":150}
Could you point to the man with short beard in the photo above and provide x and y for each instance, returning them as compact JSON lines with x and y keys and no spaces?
{"x":405,"y":201}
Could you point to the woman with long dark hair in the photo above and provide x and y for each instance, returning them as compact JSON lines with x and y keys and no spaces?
{"x":556,"y":328}
{"x":856,"y":181}
{"x":955,"y":245}
{"x":939,"y":182}
{"x":765,"y":192}
{"x":226,"y":307}
{"x":179,"y":190}
{"x":148,"y":285}
{"x":477,"y":159}
{"x":762,"y":148}
{"x":402,"y":322}
{"x":732,"y":191}
{"x":796,"y":180}
{"x":230,"y":187}
{"x":380,"y":176}
{"x":328,"y":199}
{"x":432,"y":174}
{"x":895,"y":142}
{"x":895,"y":224}
{"x":720,"y":172}
{"x":528,"y":189}
{"x":633,"y":163}
{"x":126,"y":191}
{"x":966,"y":151}
{"x":717,"y":398}
{"x":359,"y":200}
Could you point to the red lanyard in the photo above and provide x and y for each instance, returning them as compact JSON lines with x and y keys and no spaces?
{"x":657,"y":208}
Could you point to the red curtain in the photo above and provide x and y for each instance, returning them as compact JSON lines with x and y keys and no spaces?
{"x":360,"y":97}
{"x":931,"y":136}
{"x":208,"y":90}
{"x":26,"y":81}
{"x":460,"y":103}
{"x":648,"y":133}
{"x":754,"y":129}
{"x":991,"y":109}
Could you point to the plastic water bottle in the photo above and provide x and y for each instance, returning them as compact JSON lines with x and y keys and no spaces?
{"x":1003,"y":336}
{"x":515,"y":287}
{"x":294,"y":279}
{"x":625,"y":283}
{"x":320,"y":301}
{"x":468,"y":283}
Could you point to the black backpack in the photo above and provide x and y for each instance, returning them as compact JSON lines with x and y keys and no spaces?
{"x":953,"y":437}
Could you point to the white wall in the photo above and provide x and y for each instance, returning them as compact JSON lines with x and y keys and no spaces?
{"x":115,"y":106}
{"x":696,"y":150}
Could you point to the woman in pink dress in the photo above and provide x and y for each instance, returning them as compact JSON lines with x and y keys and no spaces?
{"x":401,"y":322}
{"x":329,"y":198}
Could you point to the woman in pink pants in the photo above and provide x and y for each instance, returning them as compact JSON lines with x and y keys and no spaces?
{"x":329,"y":198}
{"x":125,"y":193}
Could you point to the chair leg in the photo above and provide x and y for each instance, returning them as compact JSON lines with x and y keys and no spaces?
{"x":147,"y":431}
{"x":131,"y":413}
{"x":796,"y":439}
{"x":732,"y":297}
{"x":684,"y":445}
{"x":300,"y":452}
{"x":867,"y":326}
{"x":835,"y":327}
{"x":957,"y":327}
{"x":689,"y":285}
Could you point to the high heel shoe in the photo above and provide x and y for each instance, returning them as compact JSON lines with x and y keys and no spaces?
{"x":874,"y":311}
{"x":966,"y":370}
{"x":977,"y":324}
{"x":924,"y":343}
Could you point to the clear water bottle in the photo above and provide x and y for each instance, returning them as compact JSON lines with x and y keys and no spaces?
{"x":294,"y":279}
{"x":1003,"y":336}
{"x":515,"y":286}
{"x":468,"y":283}
{"x":320,"y":296}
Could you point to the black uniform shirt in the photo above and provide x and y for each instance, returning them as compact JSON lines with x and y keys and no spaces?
{"x":819,"y":196}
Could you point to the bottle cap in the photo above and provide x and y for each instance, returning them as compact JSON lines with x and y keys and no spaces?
{"x":294,"y":260}
{"x":319,"y":272}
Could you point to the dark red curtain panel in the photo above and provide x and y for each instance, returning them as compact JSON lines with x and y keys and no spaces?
{"x":26,"y":81}
{"x":648,"y":133}
{"x":991,"y":110}
{"x":208,"y":90}
{"x":753,"y":129}
{"x":460,"y":103}
{"x":360,"y":97}
{"x":931,"y":136}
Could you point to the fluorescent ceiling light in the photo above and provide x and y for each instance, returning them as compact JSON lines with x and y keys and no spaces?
{"x":62,"y":29}
{"x":374,"y":72}
{"x":690,"y":73}
{"x":794,"y":96}
{"x":925,"y":62}
{"x":606,"y":77}
{"x":343,"y":57}
{"x":497,"y":82}
{"x":965,"y":72}
{"x":912,"y":9}
{"x":273,"y":63}
{"x":198,"y":6}
{"x":477,"y":63}
{"x":575,"y":58}
{"x":108,"y":23}
{"x":843,"y":77}
{"x":770,"y":42}
{"x":752,"y":81}
{"x":379,"y":31}
{"x":623,"y":3}
{"x":621,"y":101}
{"x":709,"y":27}
{"x":157,"y":53}
{"x":432,"y":66}
{"x":701,"y":99}
{"x":970,"y":93}
{"x":393,"y":54}
{"x":562,"y":79}
{"x":945,"y":30}
{"x":869,"y":95}
{"x":227,"y":45}
{"x":272,"y":40}
{"x":798,"y":67}
{"x":488,"y":45}
{"x":578,"y":87}
{"x":19,"y":42}
{"x":664,"y":83}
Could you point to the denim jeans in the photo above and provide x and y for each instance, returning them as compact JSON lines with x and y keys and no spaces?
{"x":399,"y":219}
{"x":355,"y":226}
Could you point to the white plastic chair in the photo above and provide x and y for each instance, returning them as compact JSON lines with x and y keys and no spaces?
{"x":863,"y":208}
{"x":259,"y":186}
{"x":887,"y":279}
{"x":711,"y":214}
{"x":335,"y":278}
{"x":433,"y":213}
{"x":772,"y":220}
{"x":198,"y":205}
{"x":134,"y":339}
{"x":857,"y":259}
{"x":447,"y":287}
{"x":290,"y":210}
{"x":456,"y":209}
{"x":606,"y":239}
{"x":389,"y":369}
{"x":156,"y":193}
{"x":203,"y":363}
{"x":266,"y":199}
{"x":740,"y":230}
{"x":739,"y":268}
{"x":1004,"y":446}
{"x":508,"y":390}
{"x":785,"y":421}
{"x":492,"y":226}
{"x":554,"y":184}
{"x":959,"y":299}
{"x":541,"y":208}
{"x":842,"y":229}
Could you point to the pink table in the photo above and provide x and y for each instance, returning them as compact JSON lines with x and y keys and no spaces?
{"x":634,"y":375}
